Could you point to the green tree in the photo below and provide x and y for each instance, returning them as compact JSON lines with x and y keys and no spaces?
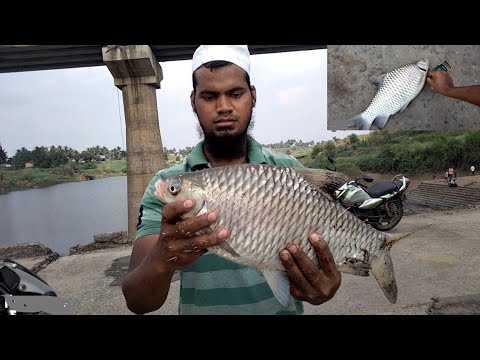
{"x":41,"y":157}
{"x":315,"y":151}
{"x":21,"y":157}
{"x":353,"y":138}
{"x":3,"y":156}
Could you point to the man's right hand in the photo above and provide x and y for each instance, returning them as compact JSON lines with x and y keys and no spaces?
{"x":155,"y":258}
{"x":178,"y":245}
{"x":440,"y":81}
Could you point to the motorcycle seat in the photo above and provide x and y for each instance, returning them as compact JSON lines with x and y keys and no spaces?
{"x":377,"y":190}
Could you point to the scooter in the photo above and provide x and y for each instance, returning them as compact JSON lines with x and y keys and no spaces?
{"x":380,"y":205}
{"x":23,"y":292}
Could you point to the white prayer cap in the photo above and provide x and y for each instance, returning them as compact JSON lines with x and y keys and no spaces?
{"x":236,"y":54}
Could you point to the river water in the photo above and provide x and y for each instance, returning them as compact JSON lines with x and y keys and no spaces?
{"x":64,"y":215}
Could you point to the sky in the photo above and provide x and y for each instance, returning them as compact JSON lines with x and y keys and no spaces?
{"x":81,"y":107}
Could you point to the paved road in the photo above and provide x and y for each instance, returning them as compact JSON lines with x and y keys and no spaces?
{"x":442,"y":260}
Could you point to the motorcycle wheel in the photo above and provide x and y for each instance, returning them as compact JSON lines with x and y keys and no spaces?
{"x":396,"y":207}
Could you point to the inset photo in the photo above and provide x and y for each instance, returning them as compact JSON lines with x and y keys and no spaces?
{"x":403,"y":87}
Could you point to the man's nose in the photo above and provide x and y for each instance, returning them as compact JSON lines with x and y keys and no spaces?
{"x":224,"y":104}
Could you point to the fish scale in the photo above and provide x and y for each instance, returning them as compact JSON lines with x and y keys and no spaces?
{"x":245,"y":239}
{"x":266,"y":207}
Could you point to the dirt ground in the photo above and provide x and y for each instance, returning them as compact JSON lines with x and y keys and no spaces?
{"x":463,"y":179}
{"x":438,"y":262}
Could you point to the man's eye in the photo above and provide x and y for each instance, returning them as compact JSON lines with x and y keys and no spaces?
{"x":208,"y":97}
{"x":236,"y":95}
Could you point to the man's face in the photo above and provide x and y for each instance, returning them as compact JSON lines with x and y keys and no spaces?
{"x":222,"y":101}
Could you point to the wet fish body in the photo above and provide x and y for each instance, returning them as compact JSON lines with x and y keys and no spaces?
{"x":396,"y":89}
{"x":266,"y":207}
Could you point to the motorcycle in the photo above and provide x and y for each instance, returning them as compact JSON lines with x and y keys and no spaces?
{"x":23,"y":292}
{"x":380,"y":205}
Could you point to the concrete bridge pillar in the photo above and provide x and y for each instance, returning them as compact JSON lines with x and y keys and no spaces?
{"x":138,"y":74}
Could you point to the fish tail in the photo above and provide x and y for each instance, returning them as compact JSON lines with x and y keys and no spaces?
{"x":393,"y":238}
{"x":359,"y":122}
{"x":382,"y":266}
{"x":382,"y":270}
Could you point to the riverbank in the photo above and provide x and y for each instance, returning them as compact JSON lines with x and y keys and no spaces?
{"x":35,"y":178}
{"x":38,"y":250}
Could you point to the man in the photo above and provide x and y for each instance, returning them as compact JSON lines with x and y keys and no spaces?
{"x":442,"y":83}
{"x":223,"y":100}
{"x":450,"y":173}
{"x":472,"y":169}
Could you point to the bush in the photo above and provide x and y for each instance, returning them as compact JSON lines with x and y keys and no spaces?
{"x":65,"y":170}
{"x":27,"y":177}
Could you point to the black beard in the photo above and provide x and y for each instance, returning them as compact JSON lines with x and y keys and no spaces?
{"x":229,"y":146}
{"x":226,"y":147}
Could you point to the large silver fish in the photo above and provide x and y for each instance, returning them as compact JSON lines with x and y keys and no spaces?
{"x":396,"y":89}
{"x":266,"y":207}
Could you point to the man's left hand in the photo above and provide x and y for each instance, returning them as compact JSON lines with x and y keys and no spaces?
{"x":308,"y":282}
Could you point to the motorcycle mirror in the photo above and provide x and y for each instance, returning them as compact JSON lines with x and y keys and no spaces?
{"x":368,"y":178}
{"x":9,"y":281}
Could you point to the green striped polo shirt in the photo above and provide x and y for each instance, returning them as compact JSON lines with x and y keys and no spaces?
{"x":213,"y":285}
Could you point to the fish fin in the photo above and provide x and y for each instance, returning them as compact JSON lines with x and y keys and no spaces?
{"x":354,"y":266}
{"x":382,"y":270}
{"x":403,"y":107}
{"x":377,"y":80}
{"x":280,"y":285}
{"x":380,"y":121}
{"x":359,"y":122}
{"x":324,"y":180}
{"x":226,"y":246}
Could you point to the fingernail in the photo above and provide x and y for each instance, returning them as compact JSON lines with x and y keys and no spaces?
{"x":188,"y":204}
{"x":222,"y":234}
{"x":292,"y":248}
{"x":212,"y":216}
{"x":284,"y":255}
{"x":314,"y":237}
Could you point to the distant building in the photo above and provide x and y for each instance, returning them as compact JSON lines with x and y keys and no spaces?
{"x":28,"y":165}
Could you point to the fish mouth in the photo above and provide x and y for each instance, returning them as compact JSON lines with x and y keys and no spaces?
{"x":423,"y":65}
{"x":161,"y":190}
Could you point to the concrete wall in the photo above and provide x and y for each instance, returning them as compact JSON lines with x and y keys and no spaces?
{"x":350,"y":68}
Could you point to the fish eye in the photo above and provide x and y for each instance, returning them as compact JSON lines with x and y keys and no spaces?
{"x":174,"y":188}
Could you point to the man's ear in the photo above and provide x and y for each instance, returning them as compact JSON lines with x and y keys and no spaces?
{"x":192,"y":101}
{"x":254,"y":95}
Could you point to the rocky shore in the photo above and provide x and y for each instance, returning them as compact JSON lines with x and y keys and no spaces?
{"x":38,"y":256}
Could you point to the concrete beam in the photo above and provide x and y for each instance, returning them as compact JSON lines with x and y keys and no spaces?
{"x":15,"y":58}
{"x":137,"y":73}
{"x":132,"y":64}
